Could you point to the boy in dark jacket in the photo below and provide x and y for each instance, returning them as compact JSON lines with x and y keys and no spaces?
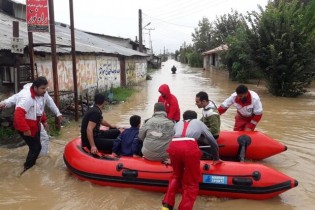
{"x":128,"y":143}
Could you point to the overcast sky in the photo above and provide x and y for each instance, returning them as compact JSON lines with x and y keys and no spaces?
{"x":172,"y":22}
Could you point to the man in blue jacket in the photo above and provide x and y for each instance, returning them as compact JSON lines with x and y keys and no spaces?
{"x":128,"y":143}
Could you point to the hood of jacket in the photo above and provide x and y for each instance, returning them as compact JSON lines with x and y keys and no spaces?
{"x":164,"y":89}
{"x":160,"y":114}
{"x":27,"y":85}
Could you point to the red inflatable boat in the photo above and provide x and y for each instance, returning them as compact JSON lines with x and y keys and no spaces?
{"x":241,"y":145}
{"x":228,"y":179}
{"x":252,"y":145}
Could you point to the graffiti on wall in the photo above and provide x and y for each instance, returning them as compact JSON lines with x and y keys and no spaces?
{"x":136,"y":70}
{"x":130,"y":72}
{"x":141,"y":71}
{"x":65,"y":78}
{"x":86,"y":72}
{"x":100,"y":72}
{"x":108,"y":71}
{"x":44,"y":68}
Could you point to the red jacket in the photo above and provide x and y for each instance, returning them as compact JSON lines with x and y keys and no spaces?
{"x":25,"y":115}
{"x":170,"y":102}
{"x":251,"y":110}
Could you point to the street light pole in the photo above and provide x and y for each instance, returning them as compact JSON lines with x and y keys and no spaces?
{"x":140,"y":30}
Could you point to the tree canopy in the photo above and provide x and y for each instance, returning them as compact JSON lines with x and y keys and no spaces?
{"x":282,"y":44}
{"x":201,"y":36}
{"x":278,"y":40}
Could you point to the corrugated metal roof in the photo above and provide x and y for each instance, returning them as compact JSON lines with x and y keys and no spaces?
{"x":85,"y":43}
{"x":217,"y":49}
{"x":17,"y":2}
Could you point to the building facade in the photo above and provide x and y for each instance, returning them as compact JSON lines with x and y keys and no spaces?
{"x":100,"y":64}
{"x":212,"y":57}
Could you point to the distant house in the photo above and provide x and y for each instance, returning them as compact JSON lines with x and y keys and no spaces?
{"x":100,"y":63}
{"x":212,"y":58}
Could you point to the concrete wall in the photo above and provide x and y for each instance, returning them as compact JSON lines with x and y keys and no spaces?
{"x":108,"y":72}
{"x":206,"y":62}
{"x":93,"y":72}
{"x":211,"y":60}
{"x":136,"y":70}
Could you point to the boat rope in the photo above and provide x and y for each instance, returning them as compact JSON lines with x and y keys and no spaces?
{"x":256,"y":175}
{"x":121,"y":166}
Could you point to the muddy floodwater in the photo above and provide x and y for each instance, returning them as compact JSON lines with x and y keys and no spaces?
{"x":49,"y":185}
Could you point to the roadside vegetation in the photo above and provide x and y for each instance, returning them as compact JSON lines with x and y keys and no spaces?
{"x":53,"y":130}
{"x":8,"y":136}
{"x":122,"y":93}
{"x":6,"y":132}
{"x":275,"y":44}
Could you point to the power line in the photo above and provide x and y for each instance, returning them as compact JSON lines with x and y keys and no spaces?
{"x":194,"y":10}
{"x":170,"y":9}
{"x":183,"y":10}
{"x":184,"y":14}
{"x":167,"y":21}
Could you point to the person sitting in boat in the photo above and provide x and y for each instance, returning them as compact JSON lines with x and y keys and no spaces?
{"x":91,"y":136}
{"x":249,"y":108}
{"x":174,"y":69}
{"x":210,"y":114}
{"x":156,"y":134}
{"x":185,"y":157}
{"x":128,"y":143}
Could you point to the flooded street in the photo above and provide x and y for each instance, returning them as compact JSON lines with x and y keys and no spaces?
{"x":49,"y":185}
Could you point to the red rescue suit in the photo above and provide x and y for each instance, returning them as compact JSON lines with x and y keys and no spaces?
{"x":170,"y":102}
{"x":248,"y":113}
{"x":185,"y":160}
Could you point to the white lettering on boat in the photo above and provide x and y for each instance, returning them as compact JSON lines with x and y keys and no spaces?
{"x":211,"y":179}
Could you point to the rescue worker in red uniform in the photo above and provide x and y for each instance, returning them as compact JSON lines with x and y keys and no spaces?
{"x":185,"y":157}
{"x":249,"y":108}
{"x":170,"y":102}
{"x":29,"y":114}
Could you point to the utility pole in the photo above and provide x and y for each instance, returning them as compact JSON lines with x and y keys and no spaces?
{"x":54,"y":56}
{"x":74,"y":65}
{"x":140,"y":31}
{"x":150,"y":41}
{"x":31,"y":54}
{"x":16,"y":34}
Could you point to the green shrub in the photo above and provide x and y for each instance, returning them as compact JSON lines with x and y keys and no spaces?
{"x":117,"y":94}
{"x":6,"y":132}
{"x":195,"y":59}
{"x":53,"y":130}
